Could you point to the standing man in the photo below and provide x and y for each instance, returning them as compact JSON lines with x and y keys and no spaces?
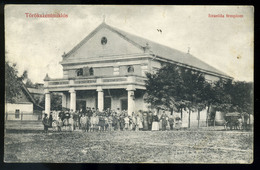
{"x":145,"y":121}
{"x":75,"y":117}
{"x":50,"y":120}
{"x":45,"y":122}
{"x":150,"y":120}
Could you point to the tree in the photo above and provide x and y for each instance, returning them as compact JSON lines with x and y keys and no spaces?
{"x":193,"y":91}
{"x":209,"y":99}
{"x":220,"y":99}
{"x":242,"y":96}
{"x":13,"y":83}
{"x":176,"y":88}
{"x":56,"y":101}
{"x":163,"y":88}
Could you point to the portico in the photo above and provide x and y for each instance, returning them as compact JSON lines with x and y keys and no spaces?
{"x":93,"y":92}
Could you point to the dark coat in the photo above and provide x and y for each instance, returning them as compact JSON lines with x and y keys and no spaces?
{"x":155,"y":118}
{"x":45,"y":121}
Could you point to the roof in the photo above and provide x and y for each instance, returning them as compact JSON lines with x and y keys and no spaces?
{"x":156,"y":49}
{"x":35,"y":90}
{"x":28,"y":94}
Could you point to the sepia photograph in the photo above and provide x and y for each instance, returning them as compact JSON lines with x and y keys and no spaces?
{"x":129,"y":84}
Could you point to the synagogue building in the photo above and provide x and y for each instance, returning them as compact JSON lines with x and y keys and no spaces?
{"x":107,"y":70}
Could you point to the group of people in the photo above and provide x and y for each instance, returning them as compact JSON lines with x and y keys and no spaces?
{"x":109,"y":120}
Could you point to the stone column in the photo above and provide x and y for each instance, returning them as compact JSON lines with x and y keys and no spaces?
{"x":72,"y":100}
{"x":100,"y":98}
{"x":47,"y":102}
{"x":131,"y":99}
{"x":64,"y":100}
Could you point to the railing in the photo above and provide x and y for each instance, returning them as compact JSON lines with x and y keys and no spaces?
{"x":58,"y":82}
{"x":139,"y":79}
{"x":91,"y":81}
{"x":85,"y":81}
{"x":114,"y":79}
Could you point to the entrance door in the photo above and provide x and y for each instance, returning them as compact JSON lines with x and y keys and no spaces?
{"x":81,"y":104}
{"x":124,"y":104}
{"x":107,"y":103}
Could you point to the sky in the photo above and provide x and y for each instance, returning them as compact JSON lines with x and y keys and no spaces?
{"x":37,"y":44}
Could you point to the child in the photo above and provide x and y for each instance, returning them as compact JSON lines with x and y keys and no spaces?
{"x":83,"y":122}
{"x":126,"y":123}
{"x":171,"y":122}
{"x":59,"y":124}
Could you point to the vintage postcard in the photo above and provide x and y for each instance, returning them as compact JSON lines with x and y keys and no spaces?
{"x":129,"y":84}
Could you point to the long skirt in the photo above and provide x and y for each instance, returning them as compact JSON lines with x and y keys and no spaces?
{"x":140,"y":125}
{"x":155,"y":126}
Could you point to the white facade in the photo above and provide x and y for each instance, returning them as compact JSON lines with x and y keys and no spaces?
{"x":19,"y":111}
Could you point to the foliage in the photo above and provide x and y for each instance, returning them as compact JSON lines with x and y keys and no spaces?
{"x":221,"y":99}
{"x":163,"y":88}
{"x":176,"y":88}
{"x":12,"y":83}
{"x":242,"y":97}
{"x":56,"y":101}
{"x":236,"y":96}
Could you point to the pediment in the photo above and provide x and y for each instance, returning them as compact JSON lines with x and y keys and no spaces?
{"x":102,"y":42}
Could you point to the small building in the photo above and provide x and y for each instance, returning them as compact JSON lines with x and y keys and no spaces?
{"x":24,"y":107}
{"x":107,"y":70}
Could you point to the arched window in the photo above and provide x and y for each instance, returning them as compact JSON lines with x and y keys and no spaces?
{"x":79,"y":72}
{"x":103,"y":40}
{"x":130,"y":69}
{"x":91,"y":71}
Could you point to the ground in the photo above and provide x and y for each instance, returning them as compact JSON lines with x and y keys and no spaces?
{"x":184,"y":146}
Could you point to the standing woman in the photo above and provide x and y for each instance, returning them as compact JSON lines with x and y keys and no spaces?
{"x":134,"y":122}
{"x":164,"y":121}
{"x":138,"y":122}
{"x":141,"y":120}
{"x":155,"y":124}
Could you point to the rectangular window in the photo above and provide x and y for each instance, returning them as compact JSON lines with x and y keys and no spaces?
{"x":107,"y":103}
{"x":124,"y":104}
{"x":17,"y":113}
